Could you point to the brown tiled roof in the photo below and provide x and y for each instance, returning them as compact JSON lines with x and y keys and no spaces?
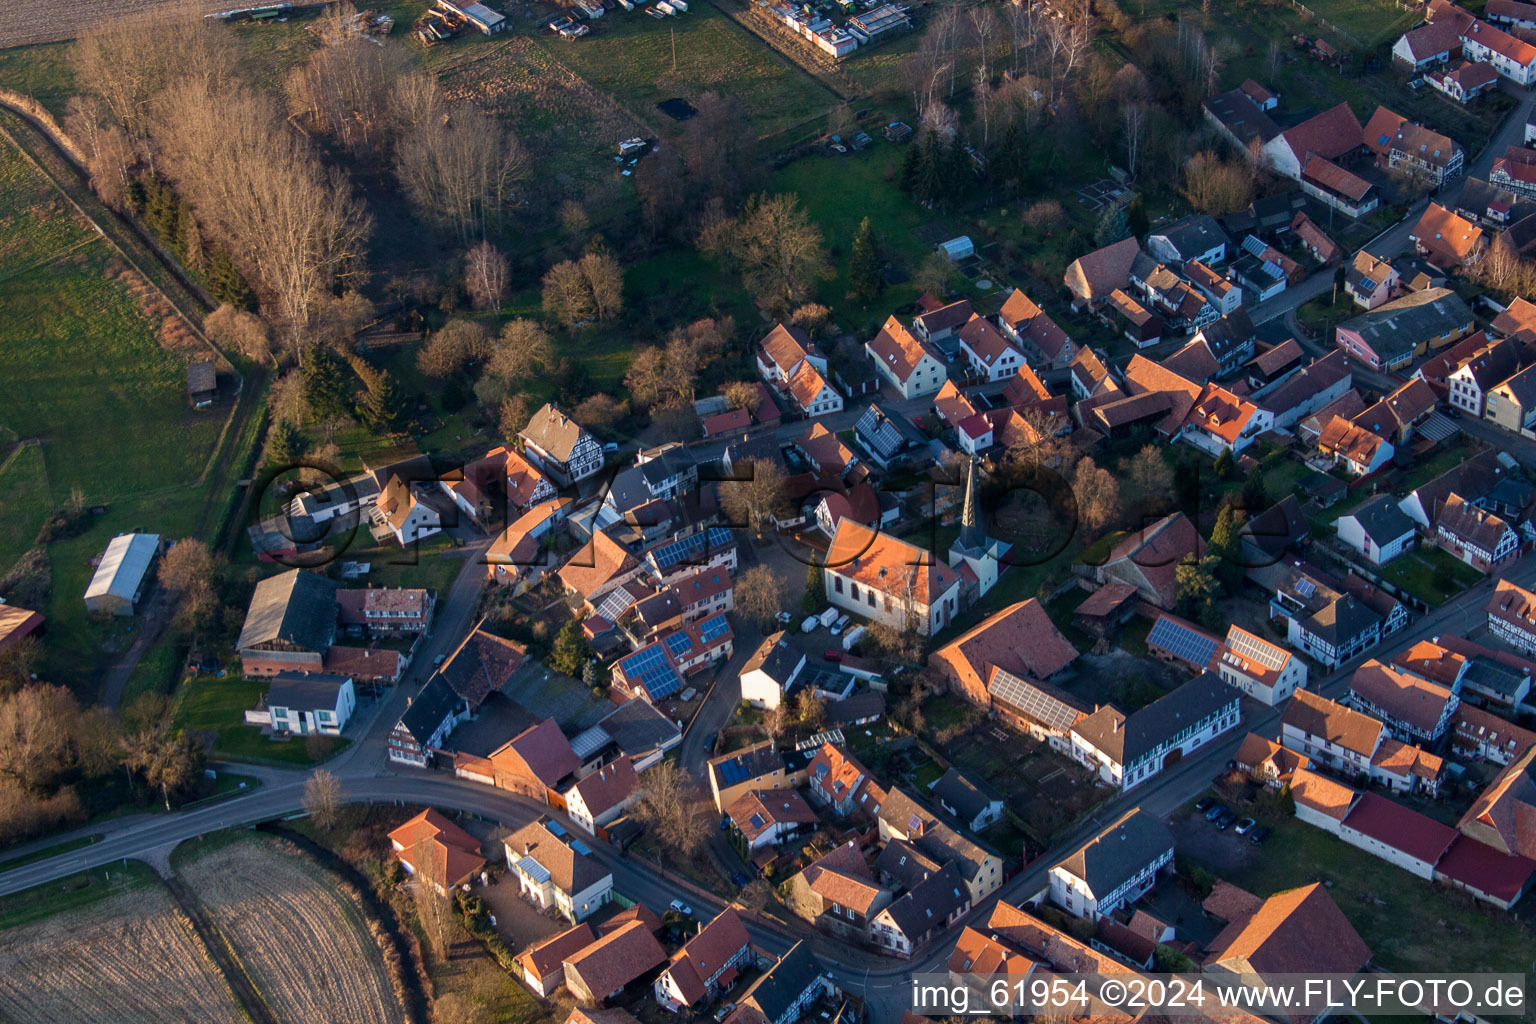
{"x":1103,"y":270}
{"x":1435,"y":663}
{"x":982,"y":338}
{"x":1446,"y":236}
{"x":1400,"y":695}
{"x":1349,"y":441}
{"x":1405,"y":760}
{"x":1470,"y":524}
{"x":1293,"y":932}
{"x":887,"y":564}
{"x":1514,"y":604}
{"x":596,"y":564}
{"x":947,"y":317}
{"x":844,"y":878}
{"x":482,"y":664}
{"x":1388,"y":131}
{"x":1334,"y":178}
{"x":1143,"y":375}
{"x":554,"y":432}
{"x":757,"y":811}
{"x":785,"y":346}
{"x":440,"y":851}
{"x":609,"y":786}
{"x":975,"y":953}
{"x":727,"y":422}
{"x":1333,"y":722}
{"x":1439,"y":36}
{"x":1194,"y":361}
{"x":616,"y":959}
{"x":702,"y":956}
{"x":1157,"y":550}
{"x":1501,"y":43}
{"x":825,"y":450}
{"x":1321,"y":793}
{"x":1519,"y":315}
{"x":1220,"y":412}
{"x":1256,"y":92}
{"x":1229,"y":902}
{"x":16,"y":623}
{"x":1310,"y":234}
{"x":806,"y":384}
{"x":1504,"y":814}
{"x":896,"y":348}
{"x":951,"y":404}
{"x":1330,"y":134}
{"x":542,"y":751}
{"x":544,"y":958}
{"x":1026,"y":389}
{"x":1020,"y":639}
{"x":516,"y":545}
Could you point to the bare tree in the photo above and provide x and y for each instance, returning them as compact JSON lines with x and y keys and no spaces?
{"x":759,"y":594}
{"x":485,"y":276}
{"x":520,"y":351}
{"x":345,"y":90}
{"x":672,"y":806}
{"x":108,"y":153}
{"x":461,"y":170}
{"x":240,"y":331}
{"x":754,"y":896}
{"x":759,"y":497}
{"x":983,"y":24}
{"x":416,"y":98}
{"x":35,"y":745}
{"x":1097,"y":493}
{"x":1133,"y":119}
{"x":579,"y":291}
{"x":448,"y":351}
{"x":777,"y":247}
{"x":741,"y":394}
{"x":322,"y":797}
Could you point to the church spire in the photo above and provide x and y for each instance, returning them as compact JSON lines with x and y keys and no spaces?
{"x":971,"y":535}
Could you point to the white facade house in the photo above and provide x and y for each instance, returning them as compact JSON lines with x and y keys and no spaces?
{"x":561,"y":447}
{"x":904,"y":362}
{"x":1378,"y":530}
{"x":1264,"y":671}
{"x":556,"y":871}
{"x":987,"y":352}
{"x":1114,"y":868}
{"x":601,"y":796}
{"x":1127,"y":750}
{"x":306,"y":704}
{"x":1512,"y":616}
{"x":884,"y":579}
{"x":771,"y":672}
{"x":1510,"y":57}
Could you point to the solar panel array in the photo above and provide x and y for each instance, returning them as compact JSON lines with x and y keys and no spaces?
{"x":1033,"y":701}
{"x":650,"y":668}
{"x":1182,"y":642}
{"x":1304,"y":587}
{"x":678,"y":643}
{"x":615,"y":604}
{"x":692,"y":548}
{"x":1248,"y":646}
{"x":555,"y":828}
{"x":713,"y":629}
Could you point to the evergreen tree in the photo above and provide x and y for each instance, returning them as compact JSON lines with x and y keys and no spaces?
{"x":382,"y":408}
{"x":815,"y":590}
{"x":1255,"y":494}
{"x":137,"y":197}
{"x":958,"y":177}
{"x":284,"y":443}
{"x":1225,"y":465}
{"x":1136,"y":217}
{"x":866,"y":263}
{"x":930,"y":171}
{"x":227,"y":283}
{"x":1226,"y":548}
{"x":570,"y":651}
{"x":1113,"y":225}
{"x":910,"y":167}
{"x":190,"y":244}
{"x":328,"y":383}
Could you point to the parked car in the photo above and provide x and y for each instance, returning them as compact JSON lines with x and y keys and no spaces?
{"x":832,"y":655}
{"x":439,"y":660}
{"x":783,"y":618}
{"x":1258,"y":835}
{"x":1225,"y":821}
{"x":738,"y":879}
{"x":725,"y":824}
{"x":681,"y":908}
{"x":1216,"y":811}
{"x":1245,"y":826}
{"x":724,"y":1012}
{"x":1204,"y":804}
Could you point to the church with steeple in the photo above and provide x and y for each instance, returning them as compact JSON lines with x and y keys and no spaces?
{"x":975,"y":556}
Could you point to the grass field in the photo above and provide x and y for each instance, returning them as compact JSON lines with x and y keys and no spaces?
{"x":1409,"y":924}
{"x":45,"y":852}
{"x":208,"y":704}
{"x":304,"y":941}
{"x":83,"y":373}
{"x":121,"y":952}
{"x":1430,"y":574}
{"x":25,"y":500}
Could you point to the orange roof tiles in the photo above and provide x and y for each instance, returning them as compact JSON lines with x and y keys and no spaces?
{"x":1293,"y":932}
{"x":1321,"y":793}
{"x":887,"y":564}
{"x":438,"y":850}
{"x":807,"y":385}
{"x":896,"y":348}
{"x":1446,"y":236}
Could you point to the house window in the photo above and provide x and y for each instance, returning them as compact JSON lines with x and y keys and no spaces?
{"x":837,"y":584}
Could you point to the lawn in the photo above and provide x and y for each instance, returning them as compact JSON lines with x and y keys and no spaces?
{"x":74,"y":892}
{"x":209,"y":704}
{"x":42,"y":72}
{"x":77,"y":355}
{"x":1409,"y":924}
{"x":44,"y":852}
{"x":1430,"y":574}
{"x":25,"y":500}
{"x":641,"y":62}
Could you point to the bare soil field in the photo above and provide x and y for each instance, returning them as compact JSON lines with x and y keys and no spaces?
{"x":304,"y":941}
{"x":21,"y":23}
{"x":131,"y":958}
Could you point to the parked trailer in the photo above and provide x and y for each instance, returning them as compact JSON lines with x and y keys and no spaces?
{"x":829,"y":616}
{"x":853,"y":636}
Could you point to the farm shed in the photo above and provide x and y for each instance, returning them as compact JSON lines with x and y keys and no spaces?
{"x":123,"y":573}
{"x":16,"y":624}
{"x":202,"y":382}
{"x":478,"y":15}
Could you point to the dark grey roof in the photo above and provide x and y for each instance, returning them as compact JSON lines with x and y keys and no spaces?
{"x":1116,"y":855}
{"x":1382,"y":519}
{"x":1310,"y":380}
{"x":1523,"y":386}
{"x":785,"y":983}
{"x":1232,"y":331}
{"x":929,"y":903}
{"x":628,"y":490}
{"x":856,"y":708}
{"x":482,"y":665}
{"x":638,"y":727}
{"x":903,"y":864}
{"x":777,"y":658}
{"x":1338,"y":622}
{"x":435,"y":702}
{"x":1398,"y":327}
{"x":930,"y":834}
{"x":967,"y":794}
{"x":297,"y":607}
{"x":201,"y":376}
{"x":670,"y":463}
{"x":1281,"y":526}
{"x":1478,"y":194}
{"x":1473,"y":479}
{"x":1127,"y":739}
{"x":1237,"y":112}
{"x":1192,"y":235}
{"x":305,"y":691}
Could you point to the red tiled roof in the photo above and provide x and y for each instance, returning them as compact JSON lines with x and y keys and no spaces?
{"x":1330,"y":134}
{"x":896,"y":348}
{"x":1321,"y":794}
{"x":1485,"y":869}
{"x":703,"y":956}
{"x":438,"y":850}
{"x":1096,"y":274}
{"x":609,"y":786}
{"x":1400,"y":828}
{"x":1400,"y":695}
{"x":806,"y":385}
{"x":887,"y":564}
{"x":985,"y":340}
{"x":1020,"y":639}
{"x":1446,"y":236}
{"x":785,"y":346}
{"x":541,"y":750}
{"x":1333,"y":178}
{"x":616,"y":959}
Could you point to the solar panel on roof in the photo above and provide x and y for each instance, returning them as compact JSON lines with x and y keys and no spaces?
{"x":1033,"y":701}
{"x":1305,"y":588}
{"x":1254,"y":649}
{"x":679,"y":643}
{"x":615,"y":604}
{"x":713,"y":629}
{"x":1182,"y":642}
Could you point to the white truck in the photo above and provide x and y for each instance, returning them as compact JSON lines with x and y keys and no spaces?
{"x":852,"y":637}
{"x":829,"y":616}
{"x":810,"y":623}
